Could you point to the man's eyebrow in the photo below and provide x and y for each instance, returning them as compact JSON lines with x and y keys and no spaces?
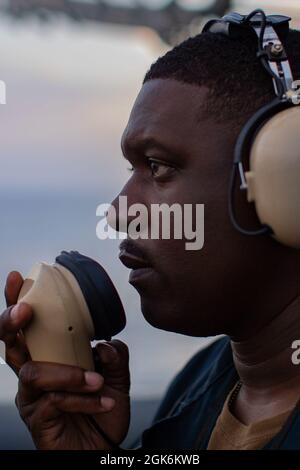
{"x":141,"y":144}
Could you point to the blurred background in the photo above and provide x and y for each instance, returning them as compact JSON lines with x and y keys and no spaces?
{"x":73,"y":69}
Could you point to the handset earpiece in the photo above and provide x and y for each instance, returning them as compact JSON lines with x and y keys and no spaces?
{"x":74,"y":302}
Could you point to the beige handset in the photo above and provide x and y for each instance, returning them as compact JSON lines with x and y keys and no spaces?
{"x":74,"y":302}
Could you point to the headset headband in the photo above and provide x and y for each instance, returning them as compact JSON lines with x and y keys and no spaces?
{"x":270,"y":31}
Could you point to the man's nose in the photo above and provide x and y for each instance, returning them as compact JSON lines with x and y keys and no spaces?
{"x":118,"y":216}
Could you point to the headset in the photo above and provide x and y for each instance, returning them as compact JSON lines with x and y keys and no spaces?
{"x":269,"y":142}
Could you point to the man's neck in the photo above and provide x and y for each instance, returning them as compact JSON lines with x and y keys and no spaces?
{"x":271,"y":382}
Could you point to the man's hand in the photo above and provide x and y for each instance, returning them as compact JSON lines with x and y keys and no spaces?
{"x":55,"y":400}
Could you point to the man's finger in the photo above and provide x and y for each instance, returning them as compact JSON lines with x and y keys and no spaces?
{"x":13,"y":286}
{"x":77,"y":403}
{"x":17,"y":354}
{"x":113,"y":356}
{"x":36,"y":378}
{"x":52,"y":404}
{"x":113,"y":361}
{"x":12,"y":321}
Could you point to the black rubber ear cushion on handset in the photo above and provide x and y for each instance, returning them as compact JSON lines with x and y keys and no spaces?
{"x":101,"y":296}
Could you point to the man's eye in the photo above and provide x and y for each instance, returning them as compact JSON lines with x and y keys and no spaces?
{"x":159,"y":169}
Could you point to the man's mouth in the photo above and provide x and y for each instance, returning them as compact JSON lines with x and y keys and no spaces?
{"x":134,"y":258}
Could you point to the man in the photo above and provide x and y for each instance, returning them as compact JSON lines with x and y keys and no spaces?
{"x":242,"y":391}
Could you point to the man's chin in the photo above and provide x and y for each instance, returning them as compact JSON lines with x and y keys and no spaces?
{"x":161,"y":317}
{"x":175,"y":320}
{"x":153,"y":314}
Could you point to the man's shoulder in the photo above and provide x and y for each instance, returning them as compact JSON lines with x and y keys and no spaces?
{"x":203,"y":362}
{"x":201,"y":370}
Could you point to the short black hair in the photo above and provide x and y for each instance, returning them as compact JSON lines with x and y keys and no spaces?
{"x":237,"y":82}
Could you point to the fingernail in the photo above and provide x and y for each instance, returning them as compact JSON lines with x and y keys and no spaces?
{"x":92,"y":379}
{"x":14,"y":313}
{"x":12,"y":276}
{"x":107,"y":353}
{"x":113,"y":352}
{"x":107,"y":402}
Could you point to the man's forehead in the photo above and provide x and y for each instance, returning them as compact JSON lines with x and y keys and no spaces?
{"x":162,"y":97}
{"x":164,"y":107}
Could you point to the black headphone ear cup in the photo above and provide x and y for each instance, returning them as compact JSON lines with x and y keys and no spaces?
{"x":102,"y":298}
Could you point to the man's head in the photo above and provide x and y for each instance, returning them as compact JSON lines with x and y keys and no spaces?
{"x":180,"y":139}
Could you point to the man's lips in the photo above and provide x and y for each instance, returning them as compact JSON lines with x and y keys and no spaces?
{"x":133,"y":258}
{"x":132,"y":261}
